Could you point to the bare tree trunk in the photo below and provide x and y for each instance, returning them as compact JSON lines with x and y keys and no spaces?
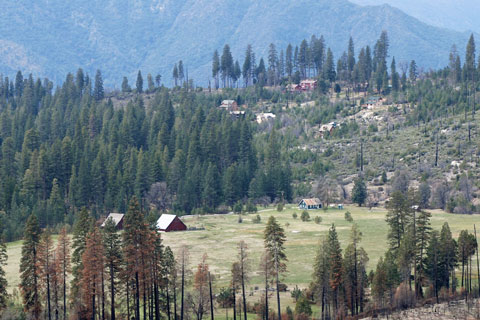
{"x":478,"y":265}
{"x":234,"y":303}
{"x":103,"y":296}
{"x":211,"y":295}
{"x":183,"y":287}
{"x":112,"y":293}
{"x":168,"y":301}
{"x":277,"y":284}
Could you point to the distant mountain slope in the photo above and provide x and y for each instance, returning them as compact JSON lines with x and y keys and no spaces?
{"x":460,"y":15}
{"x":52,"y":37}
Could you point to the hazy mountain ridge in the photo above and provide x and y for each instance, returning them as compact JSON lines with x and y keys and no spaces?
{"x":53,"y":37}
{"x":460,"y":15}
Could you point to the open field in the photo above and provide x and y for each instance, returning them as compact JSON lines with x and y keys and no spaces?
{"x":222,"y":233}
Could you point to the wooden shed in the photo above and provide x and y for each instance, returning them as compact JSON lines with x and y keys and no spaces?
{"x":170,"y":222}
{"x":117,"y":219}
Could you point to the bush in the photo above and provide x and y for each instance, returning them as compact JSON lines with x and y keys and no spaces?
{"x":305,"y":216}
{"x":250,"y":207}
{"x":280,"y":207}
{"x":318,"y":219}
{"x":348,"y":216}
{"x":303,"y":307}
{"x":257,"y":219}
{"x":238,"y":207}
{"x":294,"y":215}
{"x":404,"y":297}
{"x":296,"y":293}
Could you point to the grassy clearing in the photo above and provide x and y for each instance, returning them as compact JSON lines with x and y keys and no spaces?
{"x":223,"y":232}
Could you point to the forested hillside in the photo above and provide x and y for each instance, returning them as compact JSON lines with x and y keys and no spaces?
{"x":71,"y":148}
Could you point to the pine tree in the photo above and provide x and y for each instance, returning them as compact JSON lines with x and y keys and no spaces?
{"x":63,"y":265}
{"x":134,"y":246}
{"x":81,"y":229}
{"x":422,"y":236}
{"x":433,"y":262}
{"x":92,"y":274}
{"x":200,"y":297}
{"x":321,"y":276}
{"x":244,"y":267}
{"x":175,"y":74}
{"x":359,"y":191}
{"x":56,"y":205}
{"x":274,"y":239}
{"x":413,"y":74}
{"x":98,"y":92}
{"x":139,"y":83}
{"x":336,"y":265}
{"x":355,"y":260}
{"x":3,"y":279}
{"x":329,"y":67}
{"x":215,"y":67}
{"x":125,"y":85}
{"x":113,"y":259}
{"x":46,"y":268}
{"x":398,"y":218}
{"x":448,"y":257}
{"x":150,"y":83}
{"x":29,"y":270}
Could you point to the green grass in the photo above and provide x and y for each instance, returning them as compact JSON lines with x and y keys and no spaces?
{"x":223,"y":232}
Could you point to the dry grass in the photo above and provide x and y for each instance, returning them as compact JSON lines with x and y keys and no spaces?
{"x":223,"y":233}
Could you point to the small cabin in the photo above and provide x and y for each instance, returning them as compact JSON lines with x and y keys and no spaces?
{"x":170,"y":222}
{"x":310,"y":204}
{"x":229,"y":105}
{"x":308,"y":85}
{"x":117,"y":219}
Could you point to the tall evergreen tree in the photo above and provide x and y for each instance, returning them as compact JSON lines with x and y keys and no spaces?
{"x":63,"y":265}
{"x":81,"y":228}
{"x":139,"y":83}
{"x":336,"y":266}
{"x":274,"y":239}
{"x":98,"y":92}
{"x":113,"y":259}
{"x":29,"y":268}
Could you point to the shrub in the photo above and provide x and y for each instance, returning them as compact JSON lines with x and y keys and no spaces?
{"x":303,"y":307}
{"x":237,"y":207}
{"x":404,"y":297}
{"x":305,"y":216}
{"x":318,"y":219}
{"x":250,"y":207}
{"x":280,"y":207}
{"x":348,"y":216}
{"x":294,"y":215}
{"x":257,"y":219}
{"x":296,"y":293}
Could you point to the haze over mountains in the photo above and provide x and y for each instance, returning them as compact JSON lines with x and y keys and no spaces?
{"x":53,"y":37}
{"x":460,"y":15}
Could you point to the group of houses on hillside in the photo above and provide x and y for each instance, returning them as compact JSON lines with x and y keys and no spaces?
{"x":304,"y":85}
{"x":232,"y":107}
{"x":166,"y":222}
